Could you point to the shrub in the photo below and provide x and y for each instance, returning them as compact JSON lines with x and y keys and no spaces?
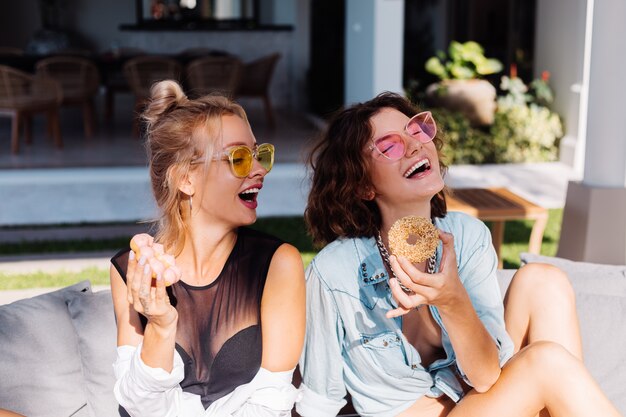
{"x":524,"y":129}
{"x":463,"y":144}
{"x":525,"y":133}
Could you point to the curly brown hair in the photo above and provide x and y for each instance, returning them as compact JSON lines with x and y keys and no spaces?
{"x":339,"y":167}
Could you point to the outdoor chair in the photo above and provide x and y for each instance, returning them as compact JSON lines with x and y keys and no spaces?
{"x":79,"y":78}
{"x":189,"y":54}
{"x":22,"y":95}
{"x":143,"y":71}
{"x":213,"y":75}
{"x":114,"y":81}
{"x":255,"y":82}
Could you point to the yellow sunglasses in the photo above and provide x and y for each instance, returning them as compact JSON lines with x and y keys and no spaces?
{"x":240,"y":158}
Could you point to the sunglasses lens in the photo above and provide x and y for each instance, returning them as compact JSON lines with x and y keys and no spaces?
{"x":265,"y":155}
{"x":423,"y":126}
{"x":241,"y":161}
{"x":391,"y":146}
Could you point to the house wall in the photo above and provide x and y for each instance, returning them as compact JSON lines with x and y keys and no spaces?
{"x":97,"y":25}
{"x":374,"y":48}
{"x":18,"y":21}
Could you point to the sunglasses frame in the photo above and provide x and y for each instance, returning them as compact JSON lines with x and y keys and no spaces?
{"x":426,"y":114}
{"x":228,"y":155}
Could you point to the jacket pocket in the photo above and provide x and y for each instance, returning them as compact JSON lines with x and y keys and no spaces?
{"x":387,"y":352}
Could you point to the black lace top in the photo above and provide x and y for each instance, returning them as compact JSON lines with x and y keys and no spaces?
{"x":219,"y":325}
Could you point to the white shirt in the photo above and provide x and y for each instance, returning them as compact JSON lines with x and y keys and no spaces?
{"x":153,"y":392}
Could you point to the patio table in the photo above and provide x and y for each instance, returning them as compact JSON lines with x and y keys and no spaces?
{"x":498,"y":205}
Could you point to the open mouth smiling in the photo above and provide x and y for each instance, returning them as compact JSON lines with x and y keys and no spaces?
{"x":250,"y":194}
{"x":421,"y":166}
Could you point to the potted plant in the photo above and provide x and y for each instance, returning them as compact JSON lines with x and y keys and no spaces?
{"x":460,"y":87}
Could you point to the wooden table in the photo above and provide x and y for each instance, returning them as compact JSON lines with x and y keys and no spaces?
{"x":498,"y":205}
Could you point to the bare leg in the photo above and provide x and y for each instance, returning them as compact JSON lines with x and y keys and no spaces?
{"x":542,"y":375}
{"x":7,"y":413}
{"x":540,"y":305}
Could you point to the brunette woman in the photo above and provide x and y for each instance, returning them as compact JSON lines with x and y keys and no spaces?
{"x":427,"y":339}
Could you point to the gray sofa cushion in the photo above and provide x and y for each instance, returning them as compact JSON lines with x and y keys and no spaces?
{"x":586,"y":277}
{"x":40,"y":364}
{"x":601,"y":304}
{"x":94,"y":321}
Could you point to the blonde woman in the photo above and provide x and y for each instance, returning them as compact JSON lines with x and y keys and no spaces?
{"x":214,"y":342}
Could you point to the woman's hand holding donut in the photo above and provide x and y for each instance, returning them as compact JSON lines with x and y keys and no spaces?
{"x":152,"y":302}
{"x":148,"y":264}
{"x":440,"y":289}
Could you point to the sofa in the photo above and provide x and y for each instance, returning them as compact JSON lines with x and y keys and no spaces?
{"x":57,"y":349}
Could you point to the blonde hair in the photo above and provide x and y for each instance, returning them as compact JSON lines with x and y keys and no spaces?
{"x":179,"y":130}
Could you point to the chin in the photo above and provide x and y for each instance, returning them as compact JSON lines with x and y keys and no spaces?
{"x":249,"y":220}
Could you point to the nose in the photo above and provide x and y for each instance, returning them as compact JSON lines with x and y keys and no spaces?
{"x":257,"y":170}
{"x":411,"y":144}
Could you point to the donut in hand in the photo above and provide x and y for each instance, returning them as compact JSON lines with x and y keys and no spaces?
{"x":422,"y":234}
{"x":159,"y":261}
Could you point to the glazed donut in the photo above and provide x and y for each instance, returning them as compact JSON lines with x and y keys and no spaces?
{"x":426,"y":234}
{"x":160,"y":262}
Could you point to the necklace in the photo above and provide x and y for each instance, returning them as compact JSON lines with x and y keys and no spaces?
{"x":430,"y":266}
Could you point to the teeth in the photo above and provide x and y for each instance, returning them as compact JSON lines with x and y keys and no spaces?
{"x":417,"y":165}
{"x":251,"y":191}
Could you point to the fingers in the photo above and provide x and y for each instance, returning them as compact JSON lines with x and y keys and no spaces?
{"x":145,"y":293}
{"x":408,"y":274}
{"x":397,"y":312}
{"x":448,"y":257}
{"x":133,"y":282}
{"x":160,"y":293}
{"x":406,"y":302}
{"x":130,"y":272}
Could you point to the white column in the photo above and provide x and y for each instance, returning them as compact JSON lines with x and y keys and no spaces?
{"x":594,"y":223}
{"x":225,"y":9}
{"x":559,"y":40}
{"x":374,"y":48}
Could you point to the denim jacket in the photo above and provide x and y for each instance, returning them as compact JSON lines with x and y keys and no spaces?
{"x":350,"y":344}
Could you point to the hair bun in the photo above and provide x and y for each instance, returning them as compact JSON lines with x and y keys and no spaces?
{"x":164,"y":97}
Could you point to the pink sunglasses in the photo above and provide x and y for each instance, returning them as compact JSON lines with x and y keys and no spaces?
{"x":392,"y":146}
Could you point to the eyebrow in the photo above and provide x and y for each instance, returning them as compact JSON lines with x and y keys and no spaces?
{"x":385,"y":136}
{"x":233,"y":144}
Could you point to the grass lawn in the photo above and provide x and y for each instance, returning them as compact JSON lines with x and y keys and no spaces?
{"x":290,"y":229}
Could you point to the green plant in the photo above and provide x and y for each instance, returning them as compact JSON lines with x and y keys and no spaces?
{"x":463,"y":144}
{"x":464,"y":61}
{"x":524,"y":129}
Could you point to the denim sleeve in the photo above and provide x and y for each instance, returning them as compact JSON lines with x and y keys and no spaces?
{"x":321,"y":361}
{"x":477,"y":270}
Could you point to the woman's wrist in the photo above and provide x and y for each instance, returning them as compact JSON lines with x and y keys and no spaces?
{"x":164,"y":326}
{"x":457,"y":304}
